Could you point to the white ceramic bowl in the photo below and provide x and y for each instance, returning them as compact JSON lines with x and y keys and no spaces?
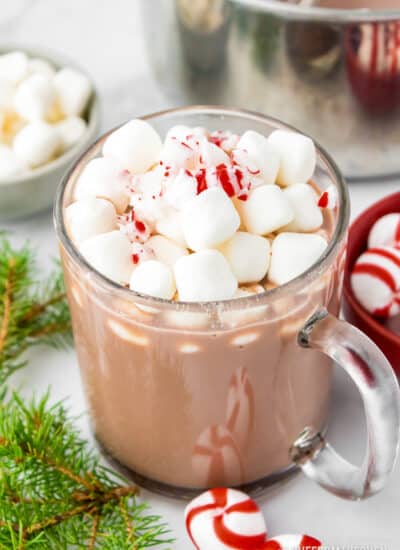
{"x":34,"y":191}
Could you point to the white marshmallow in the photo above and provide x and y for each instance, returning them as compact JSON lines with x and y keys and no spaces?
{"x":169,"y":225}
{"x":71,"y":130}
{"x":297,"y":156}
{"x":7,"y":90}
{"x":13,"y":66}
{"x":153,"y":278}
{"x":34,"y":98}
{"x":254,"y":154}
{"x":176,"y":154}
{"x":204,"y":276}
{"x":185,"y":133}
{"x":179,"y":131}
{"x":150,"y":183}
{"x":36,"y":144}
{"x":141,"y":253}
{"x":211,"y":155}
{"x":73,"y":90}
{"x":41,"y":66}
{"x":209,"y":219}
{"x":103,"y":178}
{"x":225,"y":139}
{"x":89,"y":217}
{"x":375,"y":280}
{"x":248,"y":255}
{"x":266,"y":209}
{"x":165,"y":250}
{"x":385,"y":231}
{"x":135,"y":145}
{"x":180,"y":190}
{"x":292,"y":254}
{"x":307,"y":214}
{"x":147,"y":199}
{"x":199,"y":132}
{"x":10,"y":165}
{"x":110,"y":254}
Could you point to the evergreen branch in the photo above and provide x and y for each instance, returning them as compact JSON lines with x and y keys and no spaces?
{"x":7,"y":303}
{"x":55,"y":494}
{"x":31,"y":312}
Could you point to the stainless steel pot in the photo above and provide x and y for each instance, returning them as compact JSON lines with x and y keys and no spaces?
{"x":333,"y":73}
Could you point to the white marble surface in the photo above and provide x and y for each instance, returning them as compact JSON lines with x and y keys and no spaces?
{"x":114,"y":54}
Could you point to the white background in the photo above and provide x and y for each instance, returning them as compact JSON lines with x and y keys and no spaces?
{"x":105,"y":36}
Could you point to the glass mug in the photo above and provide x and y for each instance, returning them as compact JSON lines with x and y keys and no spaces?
{"x":186,"y":396}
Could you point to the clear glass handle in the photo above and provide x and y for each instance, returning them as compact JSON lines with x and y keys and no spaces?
{"x":379,"y":389}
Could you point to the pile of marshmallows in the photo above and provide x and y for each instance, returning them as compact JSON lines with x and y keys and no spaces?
{"x":40,"y":112}
{"x":200,"y":216}
{"x":223,"y":519}
{"x":375,"y":277}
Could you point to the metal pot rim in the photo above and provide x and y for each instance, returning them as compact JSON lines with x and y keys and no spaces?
{"x":328,"y":15}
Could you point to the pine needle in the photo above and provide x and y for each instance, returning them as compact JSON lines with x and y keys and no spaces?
{"x":54,"y":494}
{"x":31,"y":312}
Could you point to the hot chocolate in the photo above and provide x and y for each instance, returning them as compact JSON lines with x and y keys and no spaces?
{"x":206,"y":386}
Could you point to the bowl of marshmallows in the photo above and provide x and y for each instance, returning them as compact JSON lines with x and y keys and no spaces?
{"x":49,"y":114}
{"x":372,"y":278}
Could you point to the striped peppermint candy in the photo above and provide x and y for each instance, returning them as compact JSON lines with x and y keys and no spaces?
{"x":385,"y":231}
{"x":292,"y":542}
{"x":225,"y":519}
{"x":375,"y":281}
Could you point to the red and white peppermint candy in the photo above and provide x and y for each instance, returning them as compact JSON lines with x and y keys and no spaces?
{"x":230,"y":178}
{"x":216,"y":458}
{"x":375,"y":281}
{"x":240,"y":406}
{"x":328,"y":198}
{"x":224,"y":139}
{"x":292,"y":542}
{"x":141,"y":253}
{"x":225,"y":519}
{"x":134,"y":228}
{"x":385,"y":231}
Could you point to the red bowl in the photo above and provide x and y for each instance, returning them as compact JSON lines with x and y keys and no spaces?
{"x":387,"y":340}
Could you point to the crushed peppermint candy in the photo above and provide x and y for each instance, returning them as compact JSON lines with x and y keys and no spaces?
{"x":134,"y":228}
{"x":328,"y":198}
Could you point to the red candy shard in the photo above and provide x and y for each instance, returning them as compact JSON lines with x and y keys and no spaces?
{"x":225,"y":180}
{"x":140,"y":226}
{"x":323,"y":200}
{"x":201,"y":180}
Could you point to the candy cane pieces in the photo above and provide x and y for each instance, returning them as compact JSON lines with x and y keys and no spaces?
{"x":292,"y":542}
{"x":375,"y":281}
{"x":225,"y":519}
{"x":329,"y":198}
